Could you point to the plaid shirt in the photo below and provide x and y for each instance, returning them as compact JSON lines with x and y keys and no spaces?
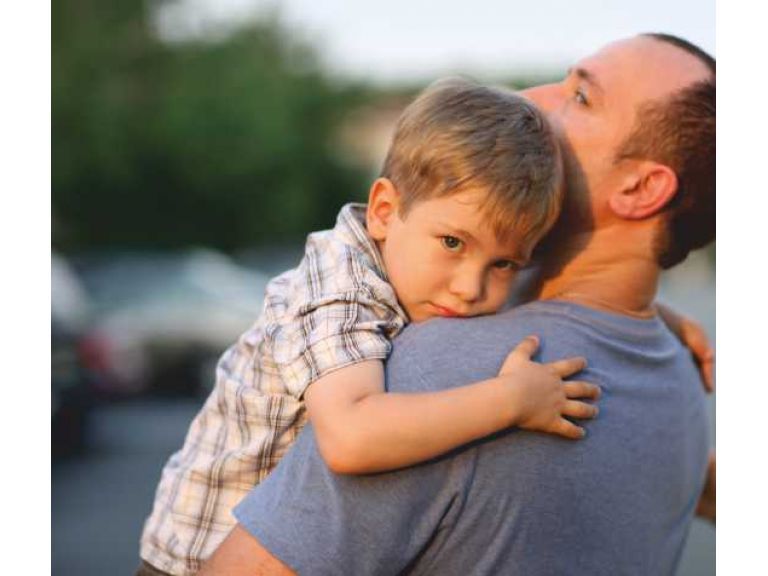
{"x":335,"y":309}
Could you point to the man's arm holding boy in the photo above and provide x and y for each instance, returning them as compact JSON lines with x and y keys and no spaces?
{"x":243,"y":555}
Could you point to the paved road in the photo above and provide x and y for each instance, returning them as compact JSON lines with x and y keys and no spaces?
{"x":100,"y":500}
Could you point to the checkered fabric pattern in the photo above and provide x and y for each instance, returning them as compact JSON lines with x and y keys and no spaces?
{"x":334,"y":310}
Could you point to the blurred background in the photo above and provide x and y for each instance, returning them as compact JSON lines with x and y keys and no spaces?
{"x":195,"y":144}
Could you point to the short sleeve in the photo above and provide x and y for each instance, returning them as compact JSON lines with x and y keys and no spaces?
{"x":319,"y":523}
{"x":337,"y":308}
{"x":332,"y":332}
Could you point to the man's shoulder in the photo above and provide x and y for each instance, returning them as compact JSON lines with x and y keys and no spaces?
{"x":557,"y":318}
{"x":445,"y":352}
{"x":520,"y":319}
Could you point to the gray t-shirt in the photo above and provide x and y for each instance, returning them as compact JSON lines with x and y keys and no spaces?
{"x":618,"y":502}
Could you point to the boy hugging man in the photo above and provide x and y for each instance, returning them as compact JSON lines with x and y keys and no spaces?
{"x":471,"y":183}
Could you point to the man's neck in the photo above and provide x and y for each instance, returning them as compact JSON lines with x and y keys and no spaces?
{"x":608,"y":271}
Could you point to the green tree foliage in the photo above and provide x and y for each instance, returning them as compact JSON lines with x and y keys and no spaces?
{"x":158,"y":145}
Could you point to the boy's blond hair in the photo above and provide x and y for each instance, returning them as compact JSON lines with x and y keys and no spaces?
{"x":458,"y":135}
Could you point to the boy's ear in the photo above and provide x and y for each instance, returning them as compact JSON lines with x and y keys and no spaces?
{"x":645,"y":191}
{"x":383,"y":206}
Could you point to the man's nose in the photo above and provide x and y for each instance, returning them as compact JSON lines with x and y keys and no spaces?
{"x":545,"y":96}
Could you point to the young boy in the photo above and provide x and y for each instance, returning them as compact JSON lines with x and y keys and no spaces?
{"x":471,"y":182}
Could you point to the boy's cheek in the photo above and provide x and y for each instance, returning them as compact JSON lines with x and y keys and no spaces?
{"x":501,"y":295}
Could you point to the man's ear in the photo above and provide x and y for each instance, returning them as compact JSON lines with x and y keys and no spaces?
{"x":646,"y":190}
{"x":383,"y":206}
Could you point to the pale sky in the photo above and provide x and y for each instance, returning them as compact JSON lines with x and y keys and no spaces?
{"x":399,"y":40}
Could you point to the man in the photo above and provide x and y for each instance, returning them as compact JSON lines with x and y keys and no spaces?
{"x":638,"y":127}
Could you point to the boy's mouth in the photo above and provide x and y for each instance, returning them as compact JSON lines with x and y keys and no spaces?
{"x":447,"y":312}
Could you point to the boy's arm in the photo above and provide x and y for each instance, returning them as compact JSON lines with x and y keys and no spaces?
{"x":692,"y":335}
{"x":360,"y":429}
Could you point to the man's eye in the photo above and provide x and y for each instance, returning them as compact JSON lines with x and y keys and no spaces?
{"x":451,"y":243}
{"x":581,"y":97}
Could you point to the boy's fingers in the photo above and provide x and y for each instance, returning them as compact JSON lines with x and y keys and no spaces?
{"x":579,"y":389}
{"x":576,"y":409}
{"x":709,"y":376}
{"x":707,"y":369}
{"x":568,"y":429}
{"x":567,"y":367}
{"x":527,"y":347}
{"x":705,"y":357}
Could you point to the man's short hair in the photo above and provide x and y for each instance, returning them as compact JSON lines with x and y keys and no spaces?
{"x":458,"y":135}
{"x":679,"y":132}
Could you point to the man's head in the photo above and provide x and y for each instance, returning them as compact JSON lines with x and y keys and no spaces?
{"x":638,"y":124}
{"x":471,"y":182}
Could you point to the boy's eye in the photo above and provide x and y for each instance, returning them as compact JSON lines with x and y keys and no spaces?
{"x":506,"y":265}
{"x":451,"y":243}
{"x":580,"y":97}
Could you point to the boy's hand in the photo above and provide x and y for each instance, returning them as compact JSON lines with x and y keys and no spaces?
{"x":707,"y":507}
{"x":541,"y":397}
{"x":693,"y":336}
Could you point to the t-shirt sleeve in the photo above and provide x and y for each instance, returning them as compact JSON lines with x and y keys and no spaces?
{"x":320,"y":523}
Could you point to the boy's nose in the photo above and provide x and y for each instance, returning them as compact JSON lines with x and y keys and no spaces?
{"x":469,"y":287}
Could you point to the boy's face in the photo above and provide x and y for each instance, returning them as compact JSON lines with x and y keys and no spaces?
{"x":443,"y":258}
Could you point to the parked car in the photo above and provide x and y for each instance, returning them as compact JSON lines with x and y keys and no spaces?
{"x":71,"y":376}
{"x":161,"y":320}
